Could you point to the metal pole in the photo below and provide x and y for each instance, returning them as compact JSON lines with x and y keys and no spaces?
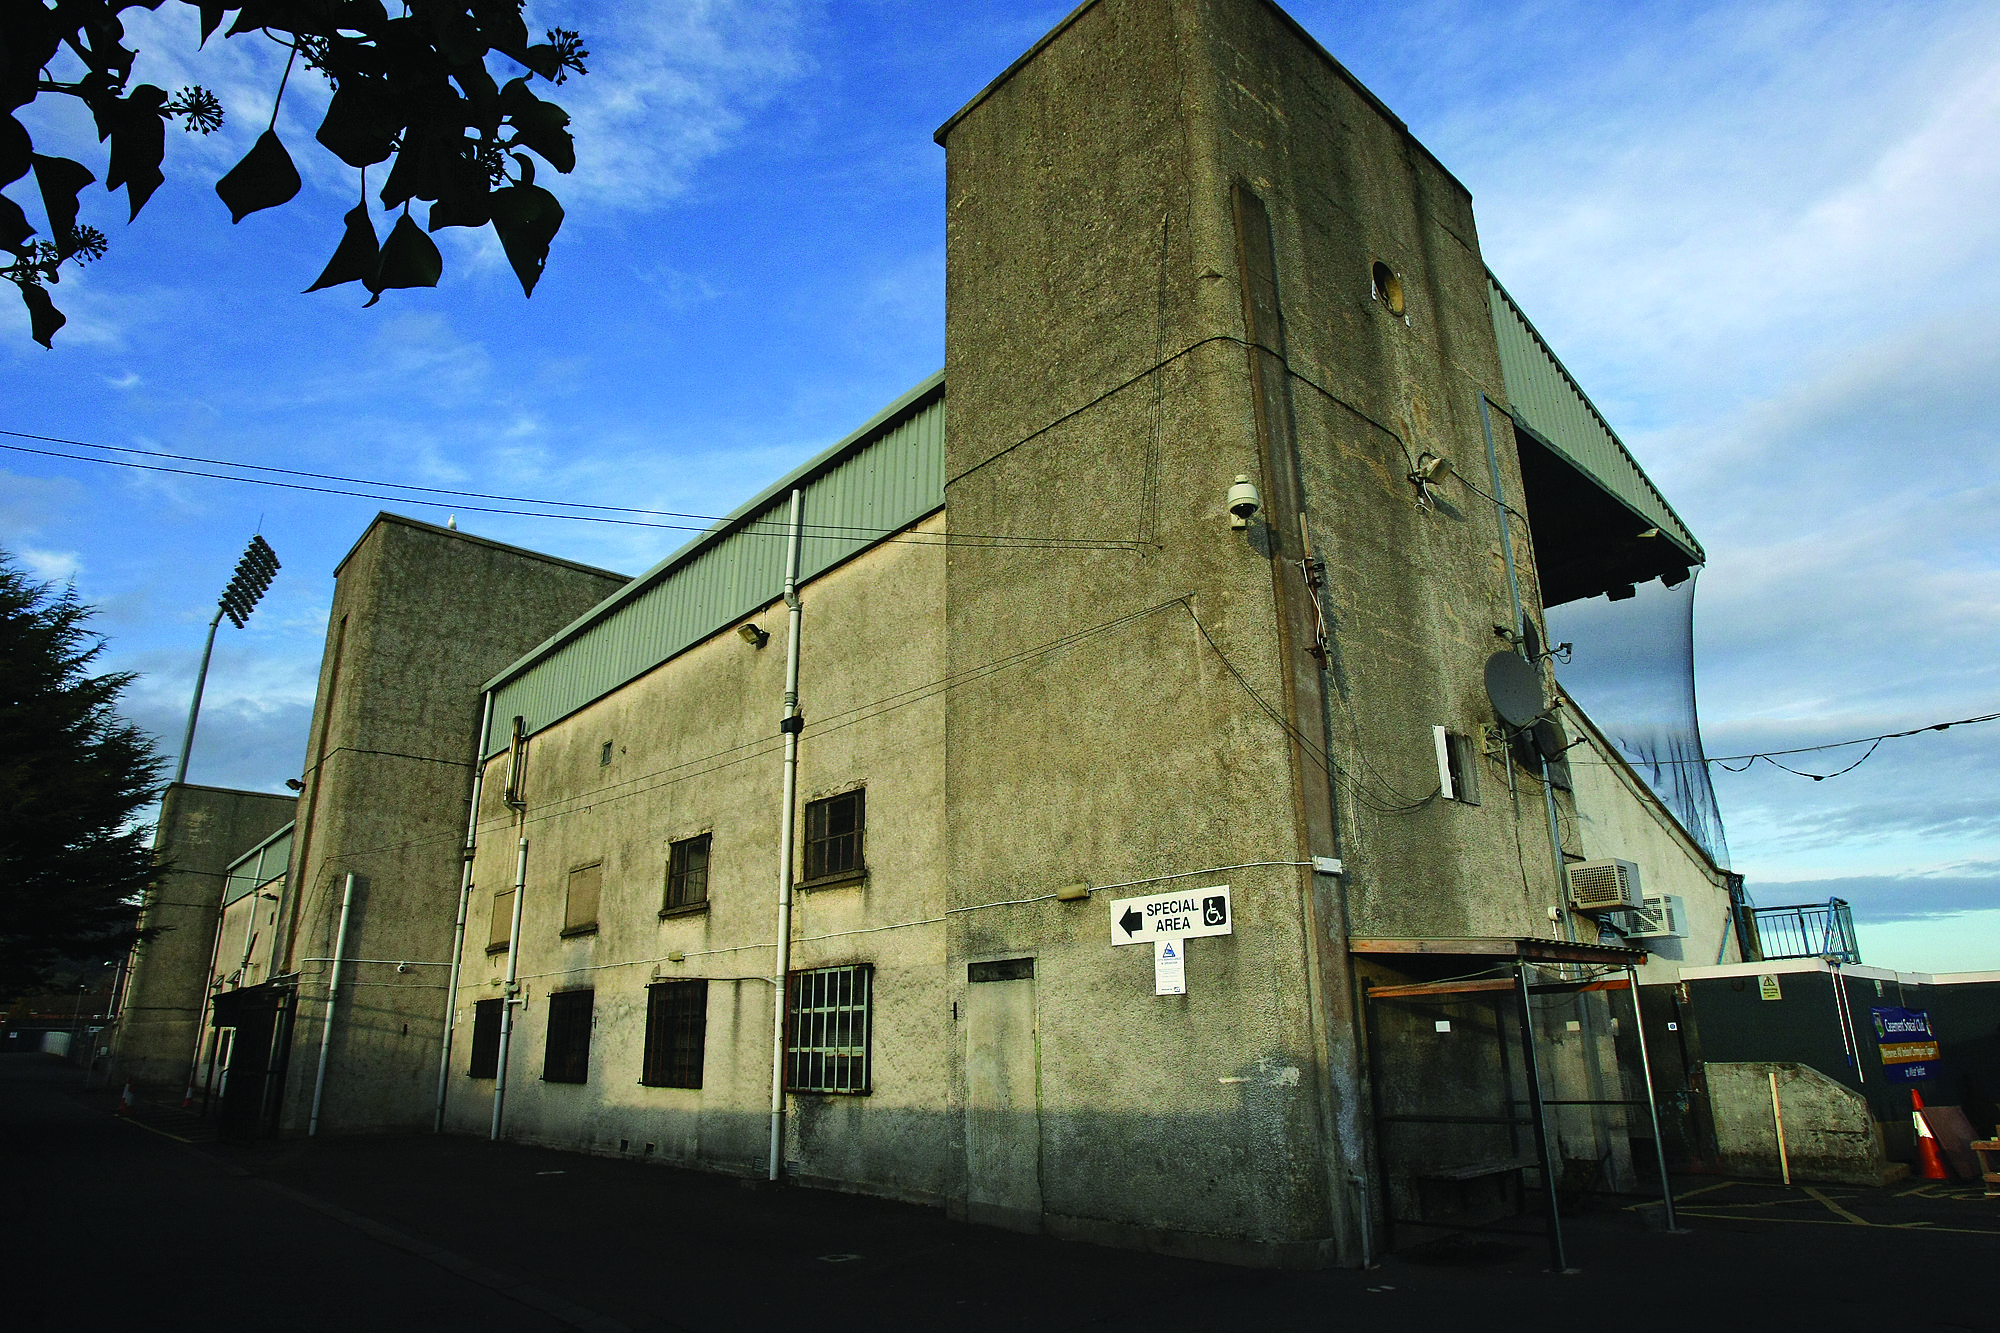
{"x":332,"y":994}
{"x":1778,"y":1118}
{"x":507,"y":992}
{"x":194,"y":709}
{"x":1652,"y":1104}
{"x":1531,"y":1066}
{"x":789,"y":724}
{"x":464,"y":897}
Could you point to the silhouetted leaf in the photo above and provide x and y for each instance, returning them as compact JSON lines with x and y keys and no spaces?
{"x":16,"y":148}
{"x":464,"y":197}
{"x":409,"y":259}
{"x":15,"y":229}
{"x":527,"y":218}
{"x":211,"y":15}
{"x":61,"y":181}
{"x":544,"y":59}
{"x":539,"y":125}
{"x":361,"y":124}
{"x":357,"y":256}
{"x":264,"y":178}
{"x":43,"y":317}
{"x":138,"y":134}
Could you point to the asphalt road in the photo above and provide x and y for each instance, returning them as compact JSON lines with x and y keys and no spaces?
{"x":119,"y":1221}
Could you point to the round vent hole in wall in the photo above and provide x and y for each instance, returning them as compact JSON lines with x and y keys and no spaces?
{"x":1388,"y":288}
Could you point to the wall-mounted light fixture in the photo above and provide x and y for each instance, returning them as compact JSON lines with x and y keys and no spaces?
{"x":753,"y":636}
{"x":1243,"y":501}
{"x":295,"y":784}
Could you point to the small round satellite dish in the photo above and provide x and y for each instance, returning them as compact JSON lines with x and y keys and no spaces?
{"x":1550,"y":742}
{"x":1532,"y":640}
{"x":1515,"y":689}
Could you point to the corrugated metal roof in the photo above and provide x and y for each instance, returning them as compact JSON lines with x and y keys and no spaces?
{"x":258,"y":866}
{"x":1546,"y":397}
{"x":876,"y":482}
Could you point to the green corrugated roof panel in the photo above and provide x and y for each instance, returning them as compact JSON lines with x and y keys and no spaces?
{"x":1547,"y":397}
{"x":876,"y":482}
{"x":258,"y":866}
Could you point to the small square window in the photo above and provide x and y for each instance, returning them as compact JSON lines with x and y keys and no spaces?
{"x":826,"y":1044}
{"x":833,"y":835}
{"x":676,"y":1031}
{"x":687,"y":872}
{"x":485,"y":1061}
{"x":566,"y":1056}
{"x":502,"y":925}
{"x":580,"y":908}
{"x":604,"y":755}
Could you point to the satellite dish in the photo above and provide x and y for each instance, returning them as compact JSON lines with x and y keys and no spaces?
{"x":1549,"y":740}
{"x":1531,"y":639}
{"x":1515,"y":689}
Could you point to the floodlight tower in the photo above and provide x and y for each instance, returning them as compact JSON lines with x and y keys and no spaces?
{"x":253,"y":575}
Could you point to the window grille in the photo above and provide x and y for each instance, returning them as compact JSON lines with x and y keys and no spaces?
{"x":580,"y":915}
{"x":687,"y":872}
{"x":833,"y":835}
{"x":827,"y":1036}
{"x":566,"y":1057}
{"x":485,"y":1039}
{"x":676,"y":1032}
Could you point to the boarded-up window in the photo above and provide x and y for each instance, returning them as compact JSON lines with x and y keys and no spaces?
{"x":485,"y":1039}
{"x":503,"y":921}
{"x":580,"y":913}
{"x":687,"y":872}
{"x":566,"y":1057}
{"x":827,"y":1037}
{"x":833,"y":835}
{"x":676,"y":1031}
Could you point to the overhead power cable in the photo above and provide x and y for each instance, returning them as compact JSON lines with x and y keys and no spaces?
{"x":588,"y":513}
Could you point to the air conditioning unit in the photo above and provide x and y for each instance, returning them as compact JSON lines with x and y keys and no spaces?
{"x":1608,"y":885}
{"x":1662,"y":916}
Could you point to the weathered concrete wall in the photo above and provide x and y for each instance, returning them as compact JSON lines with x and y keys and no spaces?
{"x":1103,"y":386}
{"x":422,"y":616}
{"x":695,"y":750}
{"x":201,"y":830}
{"x":1829,"y":1133}
{"x":1616,"y":815}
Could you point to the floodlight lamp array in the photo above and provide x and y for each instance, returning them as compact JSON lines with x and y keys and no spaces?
{"x":253,"y":575}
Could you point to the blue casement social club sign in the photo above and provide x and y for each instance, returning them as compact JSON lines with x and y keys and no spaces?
{"x":1908,"y":1046}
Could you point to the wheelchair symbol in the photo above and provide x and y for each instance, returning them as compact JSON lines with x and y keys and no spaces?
{"x":1215,"y":911}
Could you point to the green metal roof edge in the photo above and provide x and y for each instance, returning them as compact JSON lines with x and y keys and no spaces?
{"x":1685,"y":538}
{"x":854,"y":441}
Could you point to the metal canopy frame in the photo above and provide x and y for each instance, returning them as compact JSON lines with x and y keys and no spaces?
{"x":1518,"y":956}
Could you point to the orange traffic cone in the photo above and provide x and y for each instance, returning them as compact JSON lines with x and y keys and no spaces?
{"x":188,"y":1101}
{"x":125,"y":1104}
{"x":1930,"y":1165}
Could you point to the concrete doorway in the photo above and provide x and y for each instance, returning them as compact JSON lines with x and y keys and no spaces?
{"x":1003,"y":1120}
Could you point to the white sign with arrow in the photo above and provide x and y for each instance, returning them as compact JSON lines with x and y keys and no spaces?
{"x":1172,"y":916}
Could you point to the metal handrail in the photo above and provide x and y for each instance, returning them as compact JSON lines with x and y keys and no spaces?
{"x":1807,"y":930}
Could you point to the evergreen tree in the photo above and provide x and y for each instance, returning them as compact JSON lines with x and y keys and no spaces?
{"x":72,"y":776}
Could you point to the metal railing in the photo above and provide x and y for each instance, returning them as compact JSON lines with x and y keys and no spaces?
{"x":1809,"y":930}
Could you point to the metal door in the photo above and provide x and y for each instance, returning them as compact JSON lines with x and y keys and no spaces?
{"x":1003,"y":1123}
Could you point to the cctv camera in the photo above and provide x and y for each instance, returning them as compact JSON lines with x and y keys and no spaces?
{"x":1243,"y":502}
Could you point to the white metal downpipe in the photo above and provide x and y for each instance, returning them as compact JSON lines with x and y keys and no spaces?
{"x":790,"y":724}
{"x":464,"y":897}
{"x":509,"y":991}
{"x":332,"y":994}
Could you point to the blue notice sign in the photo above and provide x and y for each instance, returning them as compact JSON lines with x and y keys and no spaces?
{"x":1908,"y":1047}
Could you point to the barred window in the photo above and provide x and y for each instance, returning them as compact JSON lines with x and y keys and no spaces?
{"x":485,"y":1039}
{"x":827,"y":1035}
{"x":676,"y":1031}
{"x":687,"y":872}
{"x":566,"y":1057}
{"x":833,"y":835}
{"x":580,"y":912}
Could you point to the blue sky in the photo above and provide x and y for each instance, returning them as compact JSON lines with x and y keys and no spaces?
{"x":1763,"y":236}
